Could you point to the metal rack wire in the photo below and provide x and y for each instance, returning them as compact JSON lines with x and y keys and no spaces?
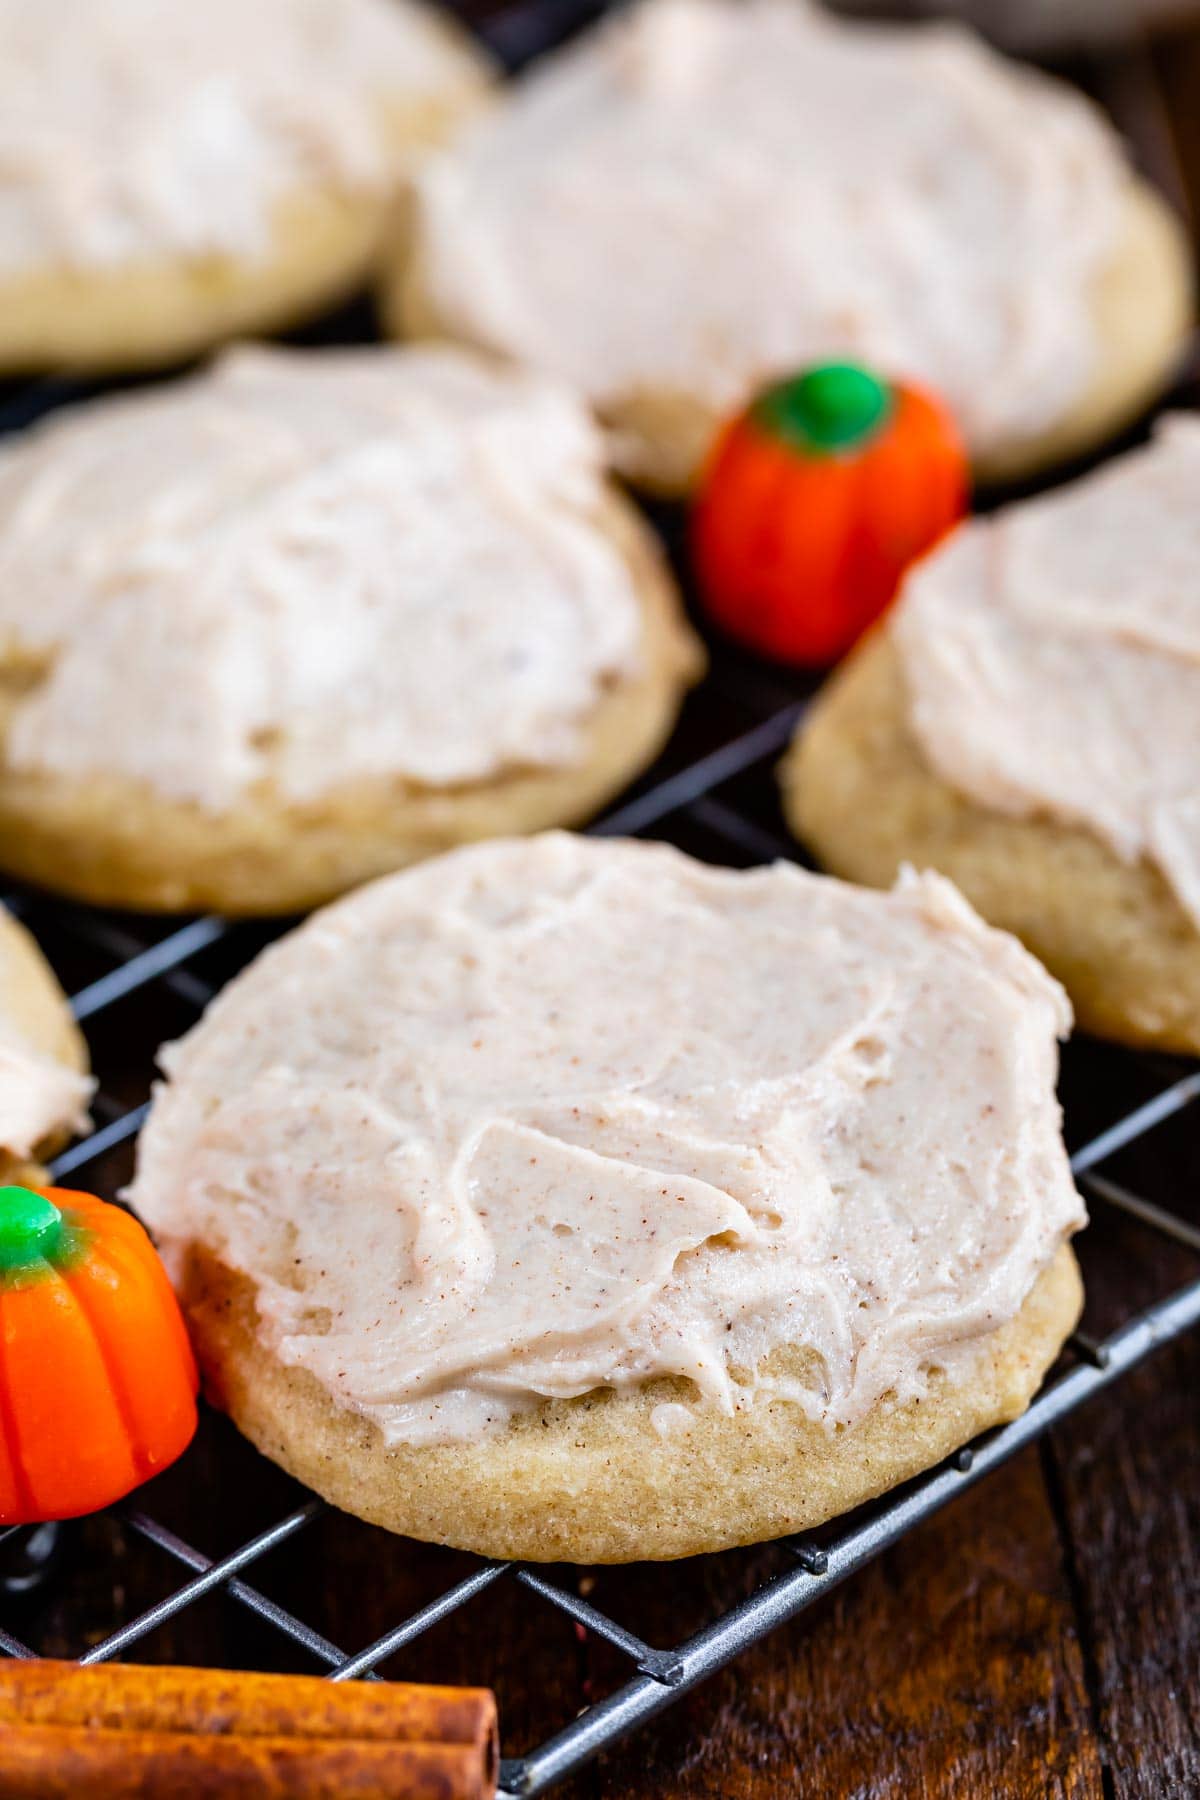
{"x":714,"y":795}
{"x":695,"y":795}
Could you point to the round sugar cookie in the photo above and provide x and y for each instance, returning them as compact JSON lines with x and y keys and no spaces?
{"x":568,"y":1199}
{"x":702,"y":195}
{"x":1026,"y":721}
{"x":174,"y":175}
{"x":43,"y":1058}
{"x":306,"y":617}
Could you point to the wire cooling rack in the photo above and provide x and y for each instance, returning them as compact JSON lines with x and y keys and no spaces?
{"x":699,"y":806}
{"x":134,"y":982}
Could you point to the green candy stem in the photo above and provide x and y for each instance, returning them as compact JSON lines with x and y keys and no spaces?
{"x":834,"y":406}
{"x":30,"y":1228}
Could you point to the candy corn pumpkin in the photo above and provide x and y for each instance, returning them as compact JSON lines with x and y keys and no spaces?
{"x":97,"y":1380}
{"x":814,"y":502}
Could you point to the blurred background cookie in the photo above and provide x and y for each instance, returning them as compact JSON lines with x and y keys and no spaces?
{"x":175,"y":174}
{"x":307,"y":616}
{"x":43,"y":1059}
{"x":1028,"y":721}
{"x":701,"y":195}
{"x":513,"y":1206}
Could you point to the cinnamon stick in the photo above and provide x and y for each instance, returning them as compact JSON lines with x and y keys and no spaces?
{"x":122,"y":1696}
{"x":109,"y":1730}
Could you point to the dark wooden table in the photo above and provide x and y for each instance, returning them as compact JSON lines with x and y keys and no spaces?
{"x":1040,"y":1637}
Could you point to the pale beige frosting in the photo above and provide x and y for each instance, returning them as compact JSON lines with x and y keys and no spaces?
{"x":548,"y":1116}
{"x":704,"y":193}
{"x":38,"y":1096}
{"x":134,"y":129}
{"x":1052,"y":657}
{"x":310,"y":569}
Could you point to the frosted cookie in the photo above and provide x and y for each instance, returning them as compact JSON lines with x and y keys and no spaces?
{"x":569,"y":1199}
{"x":305,"y":618}
{"x":704,"y":194}
{"x":1028,"y":721}
{"x":43,"y":1085}
{"x":175,"y":173}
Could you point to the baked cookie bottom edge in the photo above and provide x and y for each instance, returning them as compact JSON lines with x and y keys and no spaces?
{"x":591,"y":1480}
{"x":858,"y":791}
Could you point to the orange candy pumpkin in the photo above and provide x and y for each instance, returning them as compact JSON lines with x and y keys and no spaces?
{"x":814,"y":502}
{"x":97,"y":1378}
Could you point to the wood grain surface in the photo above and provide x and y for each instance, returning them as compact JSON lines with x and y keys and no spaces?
{"x":1039,"y":1638}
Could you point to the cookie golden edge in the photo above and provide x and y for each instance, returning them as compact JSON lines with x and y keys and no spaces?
{"x":114,"y":841}
{"x":859,"y":792}
{"x":1144,"y":310}
{"x":36,"y":1005}
{"x":591,"y":1480}
{"x":324,"y":245}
